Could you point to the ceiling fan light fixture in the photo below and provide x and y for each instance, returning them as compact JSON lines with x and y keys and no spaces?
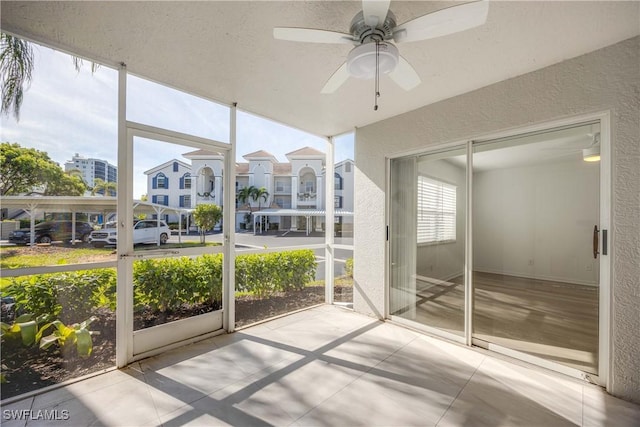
{"x":591,"y":154}
{"x":361,"y":62}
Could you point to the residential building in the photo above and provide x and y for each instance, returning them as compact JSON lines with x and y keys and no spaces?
{"x":297,"y":184}
{"x":92,"y":169}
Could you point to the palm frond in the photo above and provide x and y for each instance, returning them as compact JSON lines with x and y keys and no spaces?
{"x":16,"y":66}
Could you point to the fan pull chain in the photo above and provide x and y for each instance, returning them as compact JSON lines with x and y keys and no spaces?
{"x":377,"y":88}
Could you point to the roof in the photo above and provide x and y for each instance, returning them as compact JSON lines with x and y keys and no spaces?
{"x":259,"y":154}
{"x":93,"y":204}
{"x":282,"y":169}
{"x":201,"y":153}
{"x":167,"y":164}
{"x":305,"y":151}
{"x":242,"y":168}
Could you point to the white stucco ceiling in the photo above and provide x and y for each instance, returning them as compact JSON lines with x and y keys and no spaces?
{"x":225,"y":51}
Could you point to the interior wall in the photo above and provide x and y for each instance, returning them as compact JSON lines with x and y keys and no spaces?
{"x":537,"y":221}
{"x":445,"y":261}
{"x":604,"y":80}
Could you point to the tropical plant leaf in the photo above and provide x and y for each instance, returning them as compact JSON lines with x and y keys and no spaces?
{"x":28,"y":332}
{"x":84,"y":343}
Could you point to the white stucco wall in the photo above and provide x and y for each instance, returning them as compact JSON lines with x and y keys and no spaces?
{"x":607,"y":79}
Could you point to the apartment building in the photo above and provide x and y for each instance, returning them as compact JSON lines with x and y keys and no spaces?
{"x":92,"y":169}
{"x":295,"y":185}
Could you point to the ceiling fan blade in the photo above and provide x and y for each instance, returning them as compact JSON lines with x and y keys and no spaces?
{"x":443,"y":22}
{"x":336,"y":80}
{"x":375,"y":11}
{"x":404,"y":75}
{"x":311,"y":35}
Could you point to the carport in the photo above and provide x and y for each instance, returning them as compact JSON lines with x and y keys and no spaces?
{"x":33,"y":205}
{"x":306,"y":213}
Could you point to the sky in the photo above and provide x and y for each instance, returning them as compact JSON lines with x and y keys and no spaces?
{"x":65,"y":111}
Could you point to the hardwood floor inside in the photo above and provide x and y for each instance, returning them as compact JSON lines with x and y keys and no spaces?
{"x":552,"y":320}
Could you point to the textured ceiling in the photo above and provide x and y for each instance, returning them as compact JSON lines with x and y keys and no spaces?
{"x":225,"y":51}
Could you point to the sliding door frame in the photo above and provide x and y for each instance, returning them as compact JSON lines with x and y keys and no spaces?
{"x":605,"y":279}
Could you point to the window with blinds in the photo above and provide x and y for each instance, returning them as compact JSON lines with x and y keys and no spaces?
{"x":436,"y":211}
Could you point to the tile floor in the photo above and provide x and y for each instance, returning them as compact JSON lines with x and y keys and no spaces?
{"x":328,"y":366}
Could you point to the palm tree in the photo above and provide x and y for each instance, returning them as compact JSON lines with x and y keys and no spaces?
{"x":103,"y":187}
{"x":245,"y":194}
{"x":16,"y":65}
{"x":258,"y":194}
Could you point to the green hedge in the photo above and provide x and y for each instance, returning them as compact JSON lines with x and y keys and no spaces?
{"x":264,"y":274}
{"x":162,"y":284}
{"x":169,"y":283}
{"x":71,"y":296}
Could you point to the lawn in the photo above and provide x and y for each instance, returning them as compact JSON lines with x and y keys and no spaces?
{"x":24,"y":256}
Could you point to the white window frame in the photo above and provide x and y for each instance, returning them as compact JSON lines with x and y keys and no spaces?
{"x":436,"y":216}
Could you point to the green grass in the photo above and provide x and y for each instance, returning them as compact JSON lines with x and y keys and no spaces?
{"x":337,"y":281}
{"x":177,"y":245}
{"x":10,"y":258}
{"x":24,"y":257}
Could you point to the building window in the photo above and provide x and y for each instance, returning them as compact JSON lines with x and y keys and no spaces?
{"x":309,"y":187}
{"x":347,"y":167}
{"x":337,"y":202}
{"x":283,"y":202}
{"x":185,"y":181}
{"x":279,"y":186}
{"x":337,"y":180}
{"x":160,"y":200}
{"x":436,"y":211}
{"x":160,"y":181}
{"x":176,"y":167}
{"x":185,"y":201}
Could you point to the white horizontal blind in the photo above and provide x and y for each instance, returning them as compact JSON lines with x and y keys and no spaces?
{"x":436,"y":211}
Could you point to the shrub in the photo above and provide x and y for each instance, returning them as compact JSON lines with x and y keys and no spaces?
{"x":162,"y":284}
{"x":348,"y":267}
{"x":264,"y":274}
{"x":165,"y":284}
{"x":70,"y":296}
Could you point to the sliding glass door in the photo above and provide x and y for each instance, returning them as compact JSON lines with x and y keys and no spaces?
{"x":428,"y":197}
{"x":535,"y":271}
{"x":519,"y":272}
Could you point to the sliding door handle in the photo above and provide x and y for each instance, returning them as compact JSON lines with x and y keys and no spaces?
{"x":595,"y":241}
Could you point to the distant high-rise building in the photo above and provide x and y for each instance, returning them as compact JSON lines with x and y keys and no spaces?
{"x":92,"y":169}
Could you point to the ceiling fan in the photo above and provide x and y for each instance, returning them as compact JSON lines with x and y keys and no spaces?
{"x":372,"y":32}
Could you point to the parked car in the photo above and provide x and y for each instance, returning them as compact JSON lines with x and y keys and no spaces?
{"x":145,"y":231}
{"x":7,"y":309}
{"x":50,"y":231}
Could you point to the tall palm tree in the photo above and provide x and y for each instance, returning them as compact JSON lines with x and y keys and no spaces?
{"x":260,"y":194}
{"x":103,"y":187}
{"x":246,"y":194}
{"x":16,"y":66}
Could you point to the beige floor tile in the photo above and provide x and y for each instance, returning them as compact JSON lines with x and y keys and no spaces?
{"x":16,"y":414}
{"x":603,"y":410}
{"x":80,"y":388}
{"x":124,"y":403}
{"x":377,"y":400}
{"x":504,"y":394}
